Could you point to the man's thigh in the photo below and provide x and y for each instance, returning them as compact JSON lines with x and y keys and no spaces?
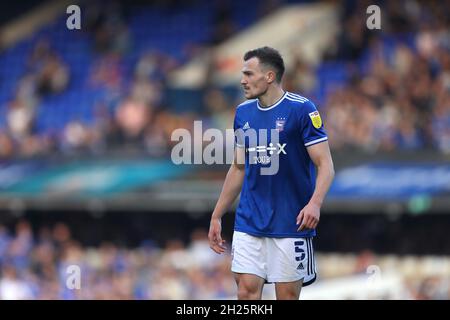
{"x":248,"y":255}
{"x":290,"y":260}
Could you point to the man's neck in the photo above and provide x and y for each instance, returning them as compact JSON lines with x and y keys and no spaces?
{"x":271,"y":96}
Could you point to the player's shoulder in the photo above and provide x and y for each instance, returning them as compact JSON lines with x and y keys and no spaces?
{"x":302,"y":103}
{"x":246,"y":103}
{"x":296,"y":98}
{"x":245,"y":106}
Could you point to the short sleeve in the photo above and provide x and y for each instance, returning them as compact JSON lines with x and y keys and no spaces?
{"x":238,"y":132}
{"x":312,"y":128}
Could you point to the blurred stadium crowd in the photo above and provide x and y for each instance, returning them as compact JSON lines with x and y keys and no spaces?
{"x":34,"y":265}
{"x":399,"y":96}
{"x":102,"y":90}
{"x":394,"y":93}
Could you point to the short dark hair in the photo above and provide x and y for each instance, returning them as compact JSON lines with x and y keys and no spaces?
{"x":268,"y":56}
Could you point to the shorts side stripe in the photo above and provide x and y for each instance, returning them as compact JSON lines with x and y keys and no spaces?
{"x":309,"y":256}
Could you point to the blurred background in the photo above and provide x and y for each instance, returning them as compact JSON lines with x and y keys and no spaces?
{"x":86,"y":118}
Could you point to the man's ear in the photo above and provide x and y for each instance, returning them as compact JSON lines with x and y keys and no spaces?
{"x":270,"y":76}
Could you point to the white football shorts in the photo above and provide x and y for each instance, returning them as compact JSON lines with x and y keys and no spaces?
{"x":274,"y":259}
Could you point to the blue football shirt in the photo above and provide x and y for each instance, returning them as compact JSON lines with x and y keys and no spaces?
{"x":270,"y":203}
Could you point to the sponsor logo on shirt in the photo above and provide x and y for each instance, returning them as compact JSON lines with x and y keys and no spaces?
{"x":315,"y":119}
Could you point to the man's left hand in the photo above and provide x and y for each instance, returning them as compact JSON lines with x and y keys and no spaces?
{"x":309,"y":217}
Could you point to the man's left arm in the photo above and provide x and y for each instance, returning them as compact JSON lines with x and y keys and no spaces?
{"x":320,"y":154}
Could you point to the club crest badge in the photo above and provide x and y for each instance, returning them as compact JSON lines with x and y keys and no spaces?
{"x":279,"y":124}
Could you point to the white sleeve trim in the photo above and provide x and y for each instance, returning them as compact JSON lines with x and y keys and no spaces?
{"x":239,"y":145}
{"x":315,"y":141}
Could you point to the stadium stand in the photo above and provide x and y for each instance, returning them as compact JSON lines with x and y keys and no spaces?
{"x":86,"y":118}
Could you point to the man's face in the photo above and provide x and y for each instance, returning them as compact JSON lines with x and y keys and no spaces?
{"x":254,"y":79}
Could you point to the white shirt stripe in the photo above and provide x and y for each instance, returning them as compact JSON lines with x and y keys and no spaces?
{"x":245,"y":102}
{"x":316,"y":141}
{"x":297,"y":100}
{"x":297,"y":96}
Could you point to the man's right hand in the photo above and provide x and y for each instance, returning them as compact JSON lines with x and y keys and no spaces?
{"x":215,"y":239}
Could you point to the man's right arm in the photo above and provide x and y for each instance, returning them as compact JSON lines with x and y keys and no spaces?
{"x":230,"y":190}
